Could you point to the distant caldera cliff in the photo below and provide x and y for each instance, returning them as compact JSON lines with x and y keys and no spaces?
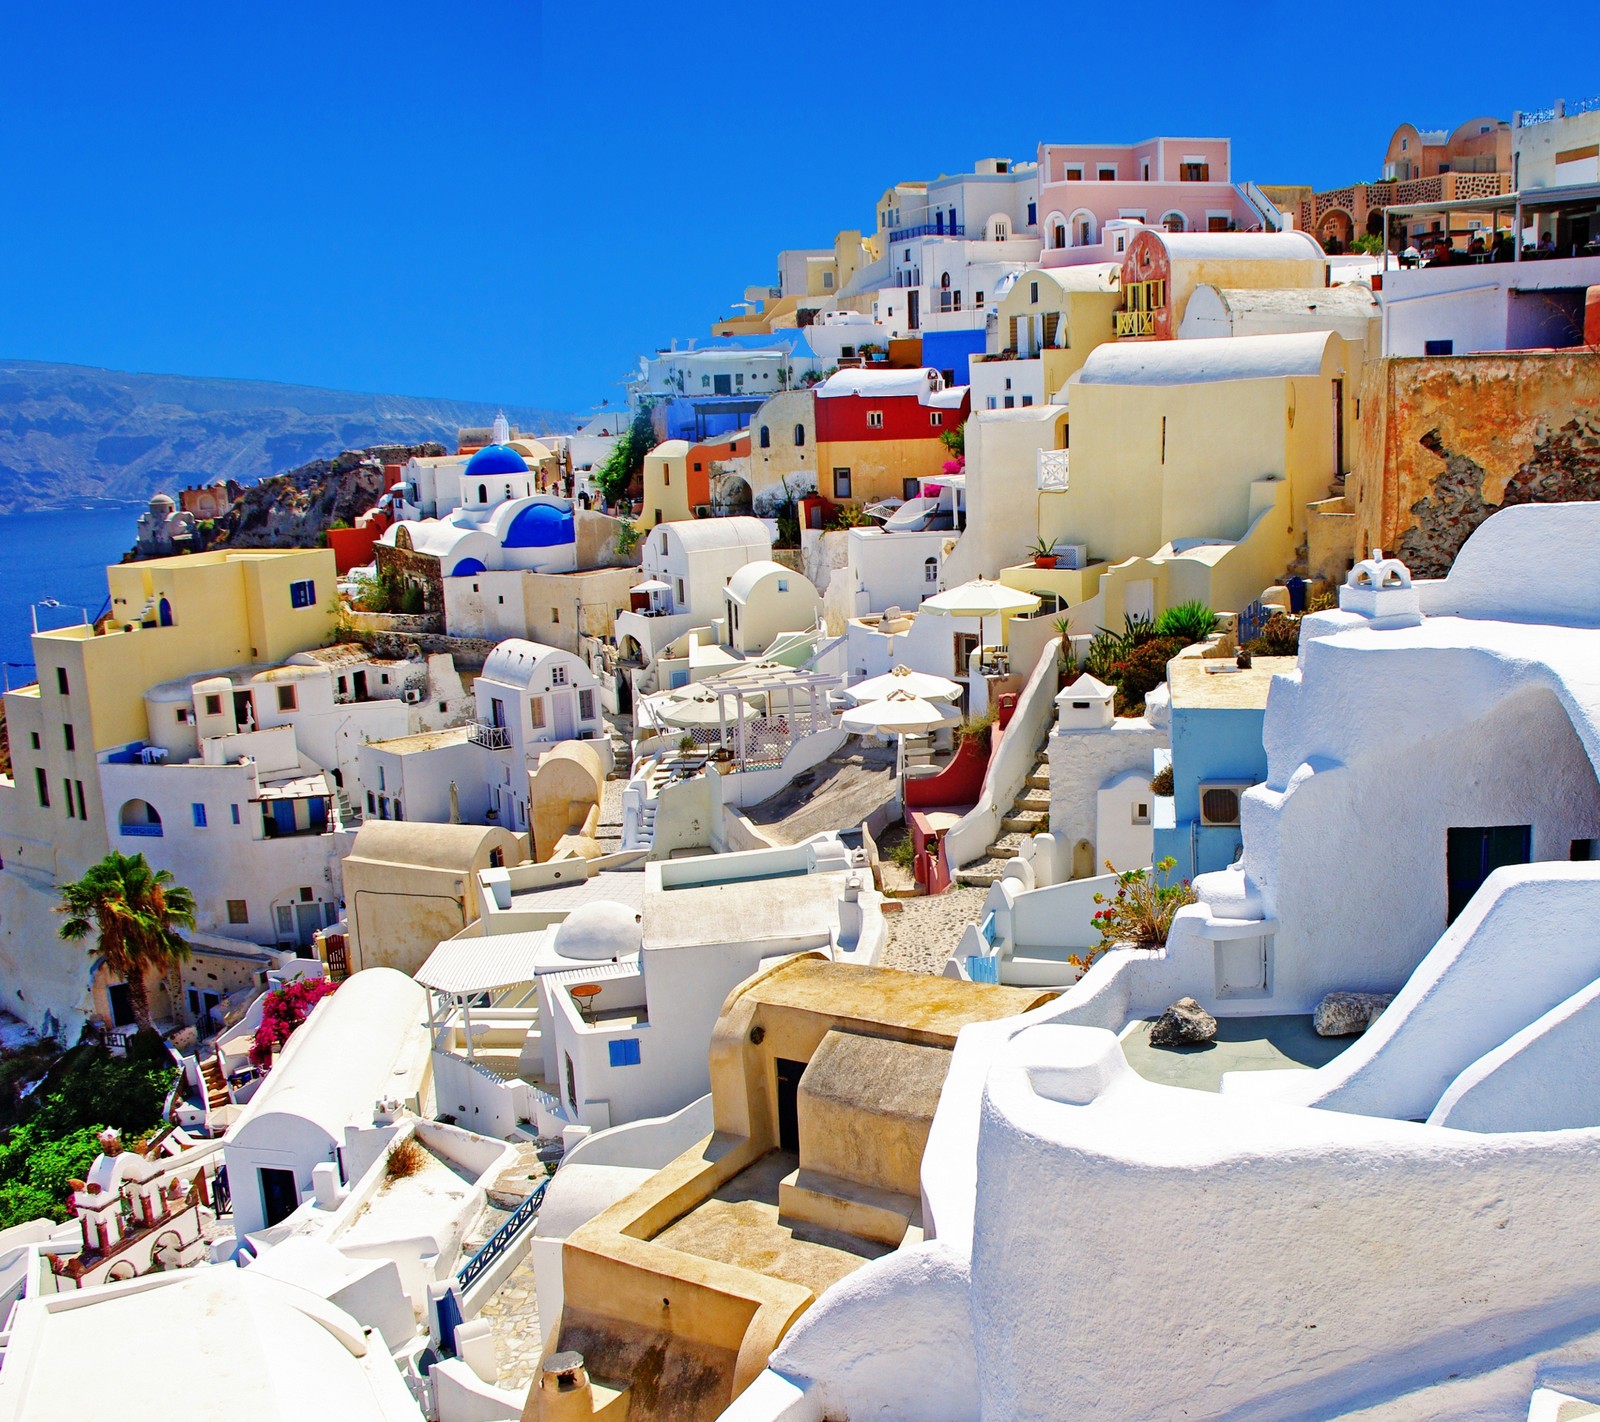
{"x":72,"y":434}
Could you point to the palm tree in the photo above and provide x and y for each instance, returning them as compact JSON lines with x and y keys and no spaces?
{"x":135,"y":913}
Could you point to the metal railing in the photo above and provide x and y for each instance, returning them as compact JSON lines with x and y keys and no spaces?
{"x":498,"y":1242}
{"x":927,"y":229}
{"x":1136,"y":323}
{"x":489,"y":737}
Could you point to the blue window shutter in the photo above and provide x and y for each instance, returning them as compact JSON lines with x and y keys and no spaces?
{"x":624,"y":1051}
{"x":199,"y":815}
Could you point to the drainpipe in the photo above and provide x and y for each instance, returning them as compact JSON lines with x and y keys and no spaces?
{"x":1194,"y":849}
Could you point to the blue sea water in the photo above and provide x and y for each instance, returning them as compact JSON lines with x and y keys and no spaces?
{"x":63,"y":555}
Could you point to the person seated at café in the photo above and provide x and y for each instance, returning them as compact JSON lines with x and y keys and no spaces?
{"x":1547,"y":244}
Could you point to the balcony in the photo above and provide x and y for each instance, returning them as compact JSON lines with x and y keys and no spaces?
{"x":1136,"y":323}
{"x":1051,"y":471}
{"x":489,"y":737}
{"x":927,"y":229}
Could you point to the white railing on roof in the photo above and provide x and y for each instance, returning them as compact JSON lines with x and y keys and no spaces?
{"x":1052,"y":470}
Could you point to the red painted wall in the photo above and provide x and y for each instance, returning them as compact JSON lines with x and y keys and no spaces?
{"x":844,"y":417}
{"x":352,"y":547}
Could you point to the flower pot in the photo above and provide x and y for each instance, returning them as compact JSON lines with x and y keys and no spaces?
{"x":1044,"y":561}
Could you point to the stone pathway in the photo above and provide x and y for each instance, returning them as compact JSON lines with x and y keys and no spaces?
{"x":513,"y":1318}
{"x":926,"y":931}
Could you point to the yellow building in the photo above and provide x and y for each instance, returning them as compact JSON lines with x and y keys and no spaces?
{"x":408,"y":886}
{"x":1047,"y":324}
{"x":666,"y":485}
{"x":1192,"y":465}
{"x":170,"y":618}
{"x":1160,"y":271}
{"x":824,"y":1081}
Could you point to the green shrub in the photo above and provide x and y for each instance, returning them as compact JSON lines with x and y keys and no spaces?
{"x":1193,"y":621}
{"x":1279,"y":637}
{"x":1140,"y":913}
{"x":1161,"y":783}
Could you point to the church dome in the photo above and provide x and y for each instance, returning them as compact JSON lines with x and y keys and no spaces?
{"x":540,"y":525}
{"x":496,"y":459}
{"x":598,"y":932}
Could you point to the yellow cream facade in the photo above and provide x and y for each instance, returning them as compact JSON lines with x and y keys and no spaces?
{"x":1191,"y":469}
{"x":170,"y":618}
{"x":824,"y":1080}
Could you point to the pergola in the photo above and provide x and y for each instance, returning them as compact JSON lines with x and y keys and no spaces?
{"x":795,"y":702}
{"x":1518,"y":206}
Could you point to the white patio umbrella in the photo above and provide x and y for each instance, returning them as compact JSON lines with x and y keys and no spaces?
{"x":982,"y":599}
{"x":651,"y":585}
{"x":691,"y":709}
{"x":898,"y":714}
{"x":924,"y":684}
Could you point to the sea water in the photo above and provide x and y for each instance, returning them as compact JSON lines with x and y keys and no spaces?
{"x":62,"y":555}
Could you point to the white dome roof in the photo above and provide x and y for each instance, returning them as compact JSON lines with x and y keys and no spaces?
{"x":599,"y":932}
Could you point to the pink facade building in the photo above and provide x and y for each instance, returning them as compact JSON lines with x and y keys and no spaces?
{"x":1180,"y":184}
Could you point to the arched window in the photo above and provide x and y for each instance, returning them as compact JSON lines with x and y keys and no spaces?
{"x":766,"y":437}
{"x":139,"y":818}
{"x":164,"y":613}
{"x":1174,"y":222}
{"x":1058,"y":235}
{"x":799,"y":436}
{"x":930,"y":571}
{"x":944,"y":281}
{"x":483,"y":493}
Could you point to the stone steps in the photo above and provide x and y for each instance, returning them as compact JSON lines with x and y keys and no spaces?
{"x":1039,"y":780}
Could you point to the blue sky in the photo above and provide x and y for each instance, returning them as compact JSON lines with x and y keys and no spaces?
{"x":510,"y":202}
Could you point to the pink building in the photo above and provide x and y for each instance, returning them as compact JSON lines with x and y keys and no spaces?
{"x":1181,"y":184}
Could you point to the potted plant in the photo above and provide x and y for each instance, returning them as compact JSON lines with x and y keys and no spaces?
{"x":1044,"y":554}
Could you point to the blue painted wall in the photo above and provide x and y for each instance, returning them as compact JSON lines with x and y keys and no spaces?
{"x":1208,"y":743}
{"x":952,"y":350}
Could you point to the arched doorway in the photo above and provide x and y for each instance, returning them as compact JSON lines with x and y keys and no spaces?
{"x":1335,"y":230}
{"x":733,"y":495}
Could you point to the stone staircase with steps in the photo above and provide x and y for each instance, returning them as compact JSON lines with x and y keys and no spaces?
{"x":212,"y":1083}
{"x":1029,"y":814}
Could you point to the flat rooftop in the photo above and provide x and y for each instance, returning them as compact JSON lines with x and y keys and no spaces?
{"x":774,"y":908}
{"x":887,"y":997}
{"x":1227,"y":686}
{"x":1241,"y":1044}
{"x":616,"y":886}
{"x":424,"y":740}
{"x":739,"y":1225}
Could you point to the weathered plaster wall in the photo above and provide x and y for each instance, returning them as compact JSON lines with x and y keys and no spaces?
{"x":1444,"y":441}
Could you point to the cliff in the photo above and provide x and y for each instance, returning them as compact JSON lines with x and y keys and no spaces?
{"x":72,"y":434}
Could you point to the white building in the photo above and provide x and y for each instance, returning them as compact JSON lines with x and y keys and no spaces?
{"x":1501,"y":306}
{"x":530,"y":697}
{"x":764,"y":600}
{"x":364,"y":1045}
{"x":638,"y":1048}
{"x":685,"y":568}
{"x":1406,"y":844}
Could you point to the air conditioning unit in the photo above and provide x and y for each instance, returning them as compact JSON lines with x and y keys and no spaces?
{"x":1219,"y":802}
{"x":413,"y":696}
{"x":1071,"y":555}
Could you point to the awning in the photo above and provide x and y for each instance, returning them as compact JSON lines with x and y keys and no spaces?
{"x":468,"y":965}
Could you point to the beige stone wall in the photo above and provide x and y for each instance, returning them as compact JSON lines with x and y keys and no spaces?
{"x":866,"y":1104}
{"x":1444,"y":441}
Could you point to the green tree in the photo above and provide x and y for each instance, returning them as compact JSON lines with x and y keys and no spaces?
{"x":626,"y":459}
{"x":955,"y":440}
{"x":134,"y":912}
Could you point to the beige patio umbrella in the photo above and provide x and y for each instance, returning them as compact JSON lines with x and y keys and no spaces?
{"x":693,"y":709}
{"x":924,"y":684}
{"x":981,"y":598}
{"x":898,"y":714}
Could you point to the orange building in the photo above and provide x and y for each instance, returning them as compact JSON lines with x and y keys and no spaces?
{"x":880,"y":431}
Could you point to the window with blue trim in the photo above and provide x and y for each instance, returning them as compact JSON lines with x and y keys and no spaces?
{"x":303,"y":593}
{"x":199,"y":812}
{"x":624,"y":1051}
